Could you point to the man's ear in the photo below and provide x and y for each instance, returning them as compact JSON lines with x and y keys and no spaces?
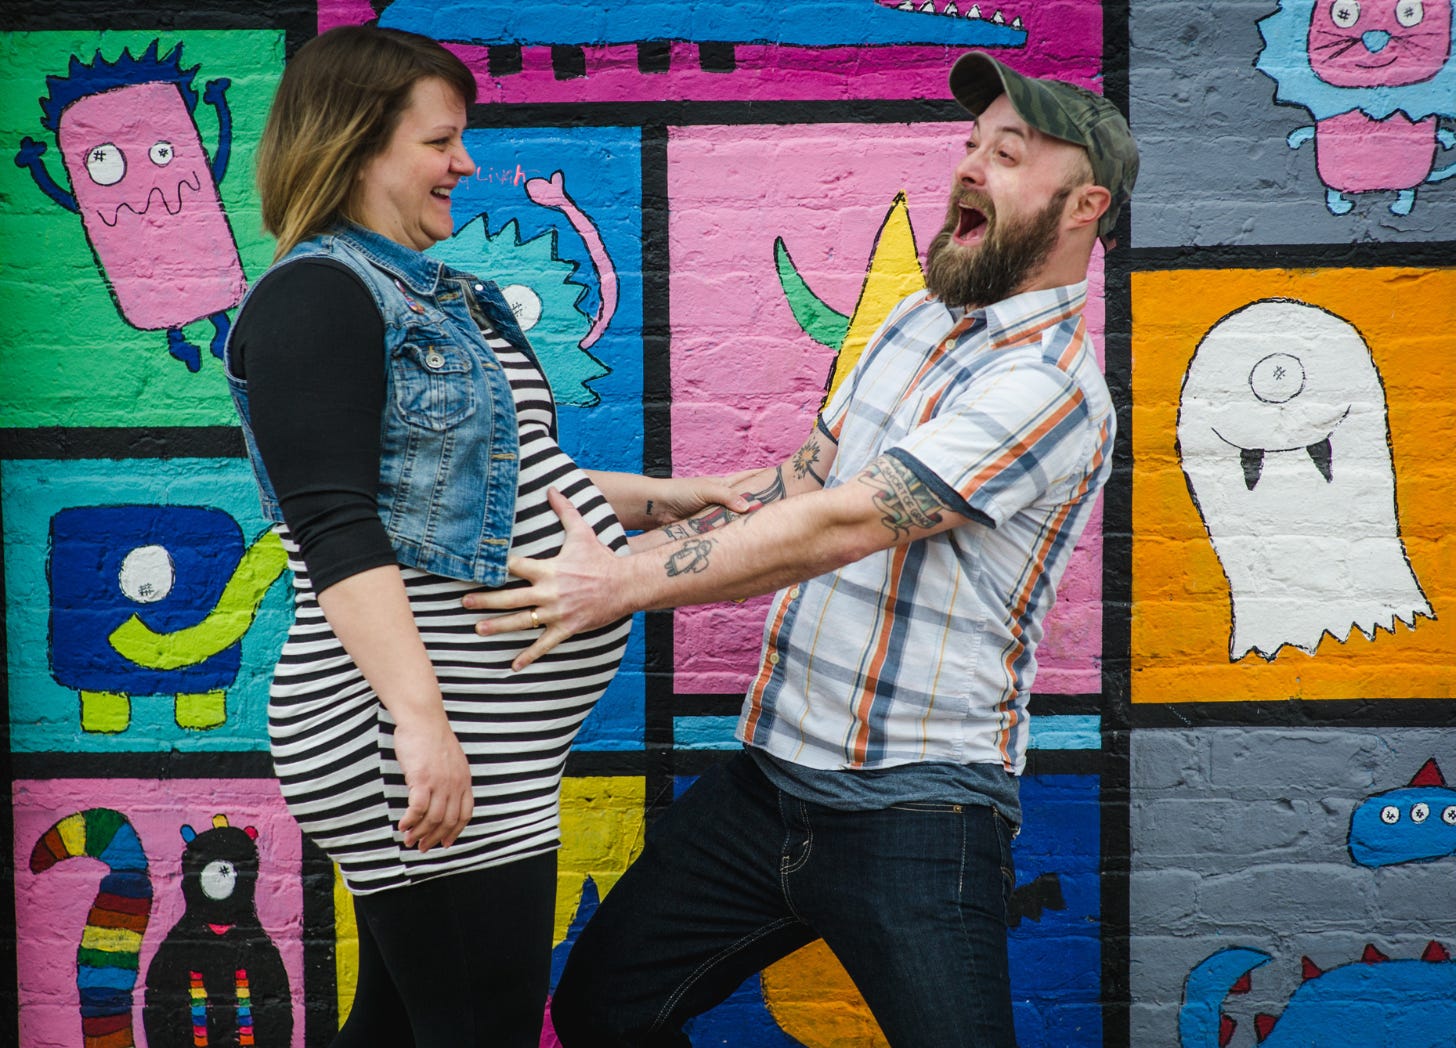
{"x":1089,"y":203}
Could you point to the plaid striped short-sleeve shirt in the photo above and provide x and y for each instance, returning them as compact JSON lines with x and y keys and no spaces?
{"x":927,"y":651}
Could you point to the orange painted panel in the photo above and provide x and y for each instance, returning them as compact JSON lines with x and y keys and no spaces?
{"x":1195,"y":570}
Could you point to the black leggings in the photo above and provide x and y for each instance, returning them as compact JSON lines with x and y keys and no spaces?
{"x":461,"y":960}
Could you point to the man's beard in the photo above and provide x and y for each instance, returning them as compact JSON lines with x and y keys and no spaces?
{"x":996,"y":267}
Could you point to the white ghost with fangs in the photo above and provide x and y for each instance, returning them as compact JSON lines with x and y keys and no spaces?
{"x":1284,"y":442}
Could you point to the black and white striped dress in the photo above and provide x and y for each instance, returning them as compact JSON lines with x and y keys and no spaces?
{"x":332,"y":738}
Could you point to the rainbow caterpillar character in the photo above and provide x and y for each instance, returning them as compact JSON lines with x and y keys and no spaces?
{"x":106,"y":961}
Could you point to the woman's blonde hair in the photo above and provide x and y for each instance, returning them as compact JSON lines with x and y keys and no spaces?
{"x":337,"y":105}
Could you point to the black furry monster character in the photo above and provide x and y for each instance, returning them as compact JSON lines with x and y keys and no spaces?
{"x":217,"y":979}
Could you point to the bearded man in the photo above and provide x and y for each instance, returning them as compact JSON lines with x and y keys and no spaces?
{"x":915,"y":540}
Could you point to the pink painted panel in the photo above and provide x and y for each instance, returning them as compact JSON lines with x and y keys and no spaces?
{"x":1063,"y":37}
{"x":747,"y":380}
{"x":51,"y":907}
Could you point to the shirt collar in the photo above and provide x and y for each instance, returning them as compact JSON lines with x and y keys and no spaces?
{"x":1021,"y":316}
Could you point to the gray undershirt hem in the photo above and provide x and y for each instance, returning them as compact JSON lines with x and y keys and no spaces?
{"x":942,"y":782}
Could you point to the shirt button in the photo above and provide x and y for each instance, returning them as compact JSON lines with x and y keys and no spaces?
{"x":479,"y":287}
{"x":773,"y":658}
{"x":434,"y":358}
{"x":794,"y":593}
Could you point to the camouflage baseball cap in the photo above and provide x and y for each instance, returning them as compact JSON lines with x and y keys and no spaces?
{"x":1063,"y":111}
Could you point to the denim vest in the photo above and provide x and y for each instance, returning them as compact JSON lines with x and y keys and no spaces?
{"x":448,"y":438}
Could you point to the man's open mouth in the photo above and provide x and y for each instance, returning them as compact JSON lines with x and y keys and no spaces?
{"x":972,"y":226}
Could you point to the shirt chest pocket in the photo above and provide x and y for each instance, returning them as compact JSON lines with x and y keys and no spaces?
{"x":433,"y":380}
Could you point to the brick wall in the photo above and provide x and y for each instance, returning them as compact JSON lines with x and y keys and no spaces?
{"x":1244,"y":704}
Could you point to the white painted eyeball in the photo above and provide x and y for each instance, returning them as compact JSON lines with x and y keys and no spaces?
{"x":1420,"y":812}
{"x":105,"y":164}
{"x":1448,"y":815}
{"x":147,"y":574}
{"x":218,"y":878}
{"x":1410,"y":13}
{"x":1277,"y":378}
{"x":161,"y":153}
{"x":524,"y":303}
{"x":1390,"y":815}
{"x":1345,"y":13}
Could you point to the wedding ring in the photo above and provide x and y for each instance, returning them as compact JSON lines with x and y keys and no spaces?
{"x":535,"y":620}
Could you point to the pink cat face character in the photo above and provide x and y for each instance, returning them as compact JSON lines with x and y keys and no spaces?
{"x":1379,"y":43}
{"x":149,"y":204}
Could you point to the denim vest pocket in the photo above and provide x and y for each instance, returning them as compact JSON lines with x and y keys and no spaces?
{"x":432,"y":386}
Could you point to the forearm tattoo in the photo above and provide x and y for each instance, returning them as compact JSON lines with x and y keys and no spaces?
{"x":715,"y":517}
{"x":806,"y":457}
{"x":702,"y":524}
{"x":903,"y":498}
{"x":773,"y":492}
{"x":690,"y":557}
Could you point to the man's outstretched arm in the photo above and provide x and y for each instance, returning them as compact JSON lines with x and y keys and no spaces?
{"x":803,"y":472}
{"x":787,"y":541}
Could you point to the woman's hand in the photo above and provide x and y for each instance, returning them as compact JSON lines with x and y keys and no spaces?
{"x":437,"y":776}
{"x":678,"y":498}
{"x":571,"y":593}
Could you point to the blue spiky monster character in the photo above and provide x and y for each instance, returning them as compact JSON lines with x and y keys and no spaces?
{"x":1378,"y":77}
{"x":546,"y":296}
{"x":145,"y":189}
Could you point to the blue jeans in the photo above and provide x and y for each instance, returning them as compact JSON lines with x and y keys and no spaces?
{"x":737,"y":874}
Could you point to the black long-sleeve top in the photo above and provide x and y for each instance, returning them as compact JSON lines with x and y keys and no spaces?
{"x":310,"y":344}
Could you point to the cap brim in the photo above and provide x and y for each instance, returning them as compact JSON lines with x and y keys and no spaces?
{"x":976,"y":80}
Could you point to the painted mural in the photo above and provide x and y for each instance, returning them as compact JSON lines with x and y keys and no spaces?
{"x":1324,"y":922}
{"x":1288,"y":543}
{"x":146,"y":195}
{"x":657,"y":51}
{"x":1283,"y":400}
{"x":151,"y":221}
{"x":163,"y":913}
{"x":1298,"y":122}
{"x":135,"y":623}
{"x":700,"y":213}
{"x":1378,"y":78}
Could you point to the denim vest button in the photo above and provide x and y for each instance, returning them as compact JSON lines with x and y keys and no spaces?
{"x":433,"y":359}
{"x":479,"y":287}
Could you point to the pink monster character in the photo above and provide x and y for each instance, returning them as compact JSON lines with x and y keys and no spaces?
{"x":1378,"y":77}
{"x":146,"y":191}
